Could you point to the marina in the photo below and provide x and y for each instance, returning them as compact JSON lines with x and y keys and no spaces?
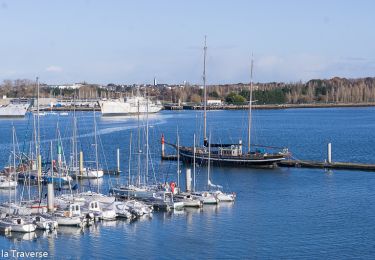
{"x":187,"y":130}
{"x":238,"y":180}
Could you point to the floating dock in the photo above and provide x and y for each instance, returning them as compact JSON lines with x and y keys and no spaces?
{"x":326,"y":165}
{"x":309,"y":164}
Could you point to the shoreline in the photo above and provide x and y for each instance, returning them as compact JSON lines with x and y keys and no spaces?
{"x":224,"y":107}
{"x":270,"y":106}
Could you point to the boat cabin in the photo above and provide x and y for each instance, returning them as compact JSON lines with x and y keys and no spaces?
{"x":74,"y":210}
{"x":94,"y":206}
{"x":233,"y":150}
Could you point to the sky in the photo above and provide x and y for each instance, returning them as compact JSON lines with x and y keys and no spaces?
{"x":131,"y":42}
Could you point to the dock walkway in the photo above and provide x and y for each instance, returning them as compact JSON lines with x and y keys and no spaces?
{"x":309,"y":164}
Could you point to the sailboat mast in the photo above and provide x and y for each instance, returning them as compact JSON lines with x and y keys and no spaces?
{"x":51,"y":162}
{"x":14,"y":161}
{"x":130,"y":157}
{"x":96,"y":153}
{"x":209,"y":161}
{"x":38,"y":124}
{"x":205,"y":93}
{"x":39,"y":166}
{"x":178,"y":159}
{"x":147,"y":150}
{"x":250,"y":104}
{"x":194,"y":151}
{"x":139,"y":149}
{"x":74,"y":141}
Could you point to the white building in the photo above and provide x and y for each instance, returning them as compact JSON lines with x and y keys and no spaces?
{"x":214,"y":102}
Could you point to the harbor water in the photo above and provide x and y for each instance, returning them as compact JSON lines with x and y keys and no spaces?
{"x":280,"y":213}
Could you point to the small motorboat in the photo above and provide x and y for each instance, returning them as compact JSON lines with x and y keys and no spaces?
{"x":100,"y":213}
{"x":224,"y":197}
{"x":70,"y":217}
{"x":18,"y":224}
{"x":122,"y":210}
{"x":45,"y":222}
{"x":188,"y":200}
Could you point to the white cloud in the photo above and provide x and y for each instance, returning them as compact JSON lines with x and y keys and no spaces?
{"x":54,"y":68}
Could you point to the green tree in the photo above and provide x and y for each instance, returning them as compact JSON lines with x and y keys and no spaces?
{"x":233,"y":98}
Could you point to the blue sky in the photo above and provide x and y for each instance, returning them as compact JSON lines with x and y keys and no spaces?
{"x":133,"y":41}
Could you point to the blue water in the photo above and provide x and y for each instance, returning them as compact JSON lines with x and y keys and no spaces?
{"x":280,"y":213}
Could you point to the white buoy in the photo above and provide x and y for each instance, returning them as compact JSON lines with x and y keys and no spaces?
{"x":329,"y":153}
{"x":118,"y":160}
{"x":188,"y":179}
{"x":50,"y":197}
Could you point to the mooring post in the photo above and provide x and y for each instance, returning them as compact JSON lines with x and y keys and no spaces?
{"x":118,"y":160}
{"x":188,"y":179}
{"x":329,"y":153}
{"x":50,"y":197}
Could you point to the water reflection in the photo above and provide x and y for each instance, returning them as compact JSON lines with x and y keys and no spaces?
{"x":18,"y":236}
{"x":70,"y":231}
{"x":131,"y":117}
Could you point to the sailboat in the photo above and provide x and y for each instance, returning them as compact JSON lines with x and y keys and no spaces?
{"x":139,"y":190}
{"x":217,"y":193}
{"x":13,"y":219}
{"x":232,"y":154}
{"x":185,"y":197}
{"x":86,"y":173}
{"x":206,"y":197}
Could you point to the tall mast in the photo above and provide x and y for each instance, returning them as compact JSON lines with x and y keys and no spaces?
{"x":178,"y":159}
{"x":39,"y":166}
{"x":14,"y":162}
{"x":130,"y":157}
{"x":250,"y":104}
{"x":51,"y":162}
{"x":147,"y":150}
{"x":38,"y":124}
{"x":209,"y":162}
{"x":205,"y":92}
{"x":194,"y":162}
{"x":139,"y":149}
{"x":75,"y":143}
{"x":96,"y":153}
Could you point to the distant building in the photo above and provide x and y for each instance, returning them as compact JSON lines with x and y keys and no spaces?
{"x":214,"y":102}
{"x":67,"y":86}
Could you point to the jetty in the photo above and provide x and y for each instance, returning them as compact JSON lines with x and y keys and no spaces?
{"x":295,"y":163}
{"x":326,"y":165}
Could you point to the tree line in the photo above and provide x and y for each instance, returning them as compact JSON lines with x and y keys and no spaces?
{"x":335,"y":90}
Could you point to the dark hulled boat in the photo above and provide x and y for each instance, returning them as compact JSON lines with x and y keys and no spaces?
{"x":230,"y":154}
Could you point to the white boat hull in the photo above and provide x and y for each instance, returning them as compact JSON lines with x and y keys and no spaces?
{"x":129,"y":107}
{"x":69,"y":221}
{"x":91,"y":174}
{"x":23,"y":228}
{"x":13,"y":110}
